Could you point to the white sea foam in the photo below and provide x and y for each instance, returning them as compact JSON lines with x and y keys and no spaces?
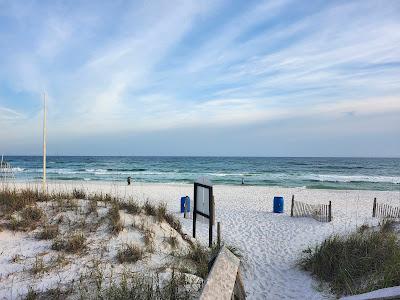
{"x":12,"y":170}
{"x":352,"y":178}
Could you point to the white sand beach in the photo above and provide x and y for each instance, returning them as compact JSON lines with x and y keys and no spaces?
{"x":270,"y":243}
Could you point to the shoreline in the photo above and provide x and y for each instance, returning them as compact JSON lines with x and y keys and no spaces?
{"x":144,"y":183}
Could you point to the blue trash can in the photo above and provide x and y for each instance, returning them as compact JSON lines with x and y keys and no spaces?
{"x":183,"y":204}
{"x":278,"y":204}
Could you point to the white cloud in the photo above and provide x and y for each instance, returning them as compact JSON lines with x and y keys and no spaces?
{"x":7,"y":114}
{"x":115,"y":69}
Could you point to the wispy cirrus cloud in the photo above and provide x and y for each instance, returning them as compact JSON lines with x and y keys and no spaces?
{"x":7,"y":114}
{"x":136,"y":67}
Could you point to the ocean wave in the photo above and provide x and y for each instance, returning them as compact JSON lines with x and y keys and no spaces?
{"x":226,"y":174}
{"x":126,"y":170}
{"x":352,"y":178}
{"x":60,"y":171}
{"x":12,"y":170}
{"x":341,"y":167}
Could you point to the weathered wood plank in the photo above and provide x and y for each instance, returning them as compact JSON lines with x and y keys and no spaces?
{"x":221,"y":280}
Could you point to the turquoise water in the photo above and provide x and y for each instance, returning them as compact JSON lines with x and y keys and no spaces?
{"x":313,"y":173}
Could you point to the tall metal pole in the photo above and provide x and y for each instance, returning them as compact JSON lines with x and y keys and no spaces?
{"x":44,"y":142}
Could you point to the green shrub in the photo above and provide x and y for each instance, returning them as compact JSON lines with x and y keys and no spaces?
{"x":357,"y":263}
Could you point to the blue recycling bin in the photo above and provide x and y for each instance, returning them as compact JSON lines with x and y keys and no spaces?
{"x":183,"y":204}
{"x":278,"y":204}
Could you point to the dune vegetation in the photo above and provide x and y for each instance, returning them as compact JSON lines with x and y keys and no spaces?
{"x":366,"y":260}
{"x":97,"y":246}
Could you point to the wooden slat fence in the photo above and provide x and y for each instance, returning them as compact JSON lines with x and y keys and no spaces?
{"x":6,"y":171}
{"x":385,"y":211}
{"x":319,"y":212}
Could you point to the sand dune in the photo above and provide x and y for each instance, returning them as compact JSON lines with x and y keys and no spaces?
{"x":271,"y":243}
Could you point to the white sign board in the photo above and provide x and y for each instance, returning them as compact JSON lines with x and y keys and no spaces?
{"x":203,"y":200}
{"x":203,"y":204}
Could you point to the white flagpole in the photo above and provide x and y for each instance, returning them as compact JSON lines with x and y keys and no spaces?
{"x":44,"y":141}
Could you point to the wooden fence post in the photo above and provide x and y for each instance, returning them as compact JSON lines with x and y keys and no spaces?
{"x":330,"y":212}
{"x":374,"y":209}
{"x":291,"y":209}
{"x":219,"y":234}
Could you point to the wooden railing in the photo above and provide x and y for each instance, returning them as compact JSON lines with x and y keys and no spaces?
{"x":224,"y":280}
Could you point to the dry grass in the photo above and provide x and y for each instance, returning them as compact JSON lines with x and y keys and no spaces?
{"x":38,"y":266}
{"x":92,"y":207}
{"x":130,"y":253}
{"x":79,"y":194}
{"x":12,"y":200}
{"x":173,"y":222}
{"x":148,"y":238}
{"x":27,"y":219}
{"x":131,"y":207}
{"x":53,"y":294}
{"x":172,"y":241}
{"x":73,"y":244}
{"x":150,"y":209}
{"x":22,"y":205}
{"x":115,"y":219}
{"x":100,"y":197}
{"x":144,"y":287}
{"x":200,"y":256}
{"x":16,"y":258}
{"x":48,"y":232}
{"x":161,"y":212}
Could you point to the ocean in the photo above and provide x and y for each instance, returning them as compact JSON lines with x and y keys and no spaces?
{"x":312,"y":173}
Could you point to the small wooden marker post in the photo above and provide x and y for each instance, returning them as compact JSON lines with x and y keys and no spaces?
{"x":374,"y":209}
{"x":185,"y":208}
{"x":219,"y":234}
{"x":291,"y":209}
{"x":330,"y":211}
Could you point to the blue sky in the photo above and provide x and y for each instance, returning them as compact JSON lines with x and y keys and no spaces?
{"x":274,"y":78}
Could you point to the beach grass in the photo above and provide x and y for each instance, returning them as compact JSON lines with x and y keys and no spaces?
{"x":73,"y":244}
{"x":48,"y":232}
{"x":130,"y":253}
{"x":114,"y":217}
{"x":65,"y":219}
{"x":366,"y":260}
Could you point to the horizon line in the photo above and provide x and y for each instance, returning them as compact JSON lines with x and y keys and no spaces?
{"x":207,"y":156}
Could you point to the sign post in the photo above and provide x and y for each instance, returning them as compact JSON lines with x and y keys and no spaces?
{"x":203,"y":205}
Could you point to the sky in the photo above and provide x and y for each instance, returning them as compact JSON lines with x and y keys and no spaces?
{"x":212,"y":77}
